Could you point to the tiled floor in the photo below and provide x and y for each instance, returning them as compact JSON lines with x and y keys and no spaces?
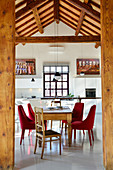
{"x":77,"y":157}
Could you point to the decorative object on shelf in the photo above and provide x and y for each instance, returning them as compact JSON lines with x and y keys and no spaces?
{"x":32,"y":80}
{"x":88,"y":67}
{"x":25,"y":67}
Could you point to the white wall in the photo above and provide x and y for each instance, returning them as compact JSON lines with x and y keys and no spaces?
{"x":71,"y":52}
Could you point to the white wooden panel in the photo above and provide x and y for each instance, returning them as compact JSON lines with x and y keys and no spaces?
{"x":26,"y":83}
{"x":91,"y":82}
{"x":79,"y":87}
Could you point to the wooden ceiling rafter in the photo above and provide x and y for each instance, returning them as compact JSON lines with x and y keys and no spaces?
{"x":93,"y":25}
{"x":35,"y":26}
{"x":24,"y":17}
{"x":70,"y":6}
{"x":24,"y":24}
{"x":72,"y":12}
{"x":44,"y":4}
{"x":36,"y":29}
{"x":28,"y":22}
{"x":30,"y":13}
{"x":32,"y":22}
{"x":58,"y":39}
{"x":37,"y":20}
{"x":74,"y":25}
{"x":20,"y":4}
{"x":70,"y":18}
{"x":56,"y":11}
{"x":28,"y":8}
{"x":34,"y":32}
{"x":95,"y":4}
{"x":80,"y":22}
{"x":86,"y":8}
{"x":68,"y":11}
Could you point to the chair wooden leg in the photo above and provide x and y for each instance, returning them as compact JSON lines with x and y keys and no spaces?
{"x":62,"y":128}
{"x":43,"y":148}
{"x":50,"y":143}
{"x":35,"y":145}
{"x":65,"y":127}
{"x":74,"y":134}
{"x":51,"y":124}
{"x":60,"y":124}
{"x":22,"y":136}
{"x":60,"y":145}
{"x":89,"y":137}
{"x":92,"y":134}
{"x":45,"y":123}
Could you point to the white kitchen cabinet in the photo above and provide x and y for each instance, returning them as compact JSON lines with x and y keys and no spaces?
{"x":80,"y":84}
{"x":79,"y":87}
{"x":26,"y":83}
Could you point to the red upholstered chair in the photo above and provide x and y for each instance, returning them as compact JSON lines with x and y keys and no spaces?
{"x":25,"y":122}
{"x":87,"y":124}
{"x":77,"y":114}
{"x":32,"y":115}
{"x":31,"y":112}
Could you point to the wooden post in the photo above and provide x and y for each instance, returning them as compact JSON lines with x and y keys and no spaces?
{"x":107,"y":81}
{"x":7,"y":83}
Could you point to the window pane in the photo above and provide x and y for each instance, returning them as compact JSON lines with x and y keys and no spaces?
{"x":65,"y":85}
{"x":64,"y":92}
{"x":47,"y":85}
{"x":65,"y":69}
{"x":59,"y":85}
{"x":46,"y":69}
{"x":53,"y":85}
{"x":52,"y":92}
{"x":65,"y":77}
{"x":52,"y":69}
{"x":59,"y":93}
{"x":47,"y":77}
{"x":59,"y":69}
{"x":52,"y":76}
{"x":47,"y":93}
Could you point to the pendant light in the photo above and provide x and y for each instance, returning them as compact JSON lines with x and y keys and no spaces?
{"x":57,"y":75}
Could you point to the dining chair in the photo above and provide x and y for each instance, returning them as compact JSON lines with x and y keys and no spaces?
{"x":55,"y":103}
{"x":42,"y":134}
{"x":86,"y":124}
{"x":77,"y":115}
{"x":25,"y":122}
{"x":32,"y":115}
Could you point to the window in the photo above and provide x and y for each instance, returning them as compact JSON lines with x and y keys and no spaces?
{"x":59,"y":88}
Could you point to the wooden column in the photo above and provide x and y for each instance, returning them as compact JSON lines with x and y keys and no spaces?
{"x":7,"y":83}
{"x":107,"y":81}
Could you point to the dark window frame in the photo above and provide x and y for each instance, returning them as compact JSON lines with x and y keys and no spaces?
{"x":50,"y":81}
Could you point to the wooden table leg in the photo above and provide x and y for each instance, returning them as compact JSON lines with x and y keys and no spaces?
{"x":69,"y":119}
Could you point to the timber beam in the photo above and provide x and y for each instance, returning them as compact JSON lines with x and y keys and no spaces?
{"x":86,"y":8}
{"x":58,"y":39}
{"x":98,"y":44}
{"x":37,"y":20}
{"x":82,"y":14}
{"x":56,"y":11}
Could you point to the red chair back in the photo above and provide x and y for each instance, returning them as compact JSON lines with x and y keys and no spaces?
{"x":89,"y":121}
{"x":31,"y":112}
{"x":78,"y":112}
{"x":25,"y":122}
